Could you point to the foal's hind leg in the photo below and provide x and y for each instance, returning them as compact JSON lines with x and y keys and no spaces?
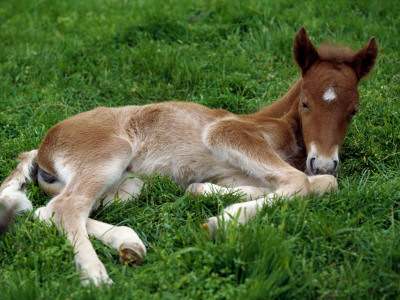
{"x":86,"y":181}
{"x":249,"y":192}
{"x":71,"y":212}
{"x":131,"y":248}
{"x":124,"y":239}
{"x":128,"y":188}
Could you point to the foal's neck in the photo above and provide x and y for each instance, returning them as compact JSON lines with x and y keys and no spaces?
{"x":286,"y":110}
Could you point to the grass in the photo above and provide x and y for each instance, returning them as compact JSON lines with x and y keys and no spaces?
{"x":59,"y":58}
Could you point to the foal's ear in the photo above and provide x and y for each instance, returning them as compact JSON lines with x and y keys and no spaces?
{"x":304,"y":51}
{"x":364,"y":60}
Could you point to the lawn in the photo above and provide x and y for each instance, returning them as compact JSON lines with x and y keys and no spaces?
{"x":59,"y":58}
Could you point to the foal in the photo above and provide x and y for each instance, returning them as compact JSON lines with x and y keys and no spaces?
{"x":91,"y":155}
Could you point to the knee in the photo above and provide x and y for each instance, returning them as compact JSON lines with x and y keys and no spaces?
{"x":295,"y":184}
{"x":303,"y":187}
{"x":323,"y":183}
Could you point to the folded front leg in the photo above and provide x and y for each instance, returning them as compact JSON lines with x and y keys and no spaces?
{"x":323,"y":183}
{"x":244,"y":146}
{"x":248,"y":192}
{"x":242,"y":212}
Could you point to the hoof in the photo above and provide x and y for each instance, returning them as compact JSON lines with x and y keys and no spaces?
{"x":98,"y":282}
{"x":42,"y":214}
{"x":195,"y":188}
{"x":211,"y":227}
{"x":131,"y":254}
{"x":94,"y":273}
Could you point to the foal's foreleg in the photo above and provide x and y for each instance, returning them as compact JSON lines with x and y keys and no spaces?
{"x":242,"y":212}
{"x":321,"y":184}
{"x":242,"y":145}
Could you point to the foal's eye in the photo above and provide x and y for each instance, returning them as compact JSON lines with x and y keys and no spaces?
{"x":353,"y":113}
{"x":304,"y":105}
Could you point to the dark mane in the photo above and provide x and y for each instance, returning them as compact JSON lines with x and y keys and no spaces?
{"x":340,"y":54}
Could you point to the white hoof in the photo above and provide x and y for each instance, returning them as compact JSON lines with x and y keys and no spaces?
{"x":211,"y":225}
{"x":206,"y":189}
{"x":95,"y":274}
{"x":43,"y":215}
{"x":195,"y":188}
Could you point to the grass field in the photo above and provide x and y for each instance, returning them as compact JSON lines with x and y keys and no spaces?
{"x":59,"y":58}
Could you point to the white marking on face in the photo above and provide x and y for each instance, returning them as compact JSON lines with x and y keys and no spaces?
{"x":329,"y":95}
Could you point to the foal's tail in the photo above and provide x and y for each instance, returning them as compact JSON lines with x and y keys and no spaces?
{"x":12,"y":191}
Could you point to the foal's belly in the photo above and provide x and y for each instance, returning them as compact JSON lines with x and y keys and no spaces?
{"x":186,"y":168}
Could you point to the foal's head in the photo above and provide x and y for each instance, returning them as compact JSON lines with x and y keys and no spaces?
{"x":329,"y":96}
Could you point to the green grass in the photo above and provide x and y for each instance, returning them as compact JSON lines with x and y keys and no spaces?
{"x":59,"y":58}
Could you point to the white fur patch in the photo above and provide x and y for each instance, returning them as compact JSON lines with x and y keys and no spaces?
{"x":12,"y":194}
{"x":64,"y":172}
{"x":12,"y":197}
{"x":329,"y":95}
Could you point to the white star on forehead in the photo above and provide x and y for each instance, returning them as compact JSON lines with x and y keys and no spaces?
{"x":329,"y":95}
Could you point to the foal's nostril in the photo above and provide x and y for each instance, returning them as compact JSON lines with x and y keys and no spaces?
{"x":312,"y":165}
{"x":335,"y":164}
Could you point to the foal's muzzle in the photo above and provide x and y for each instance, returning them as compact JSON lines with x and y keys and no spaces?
{"x":320,"y":164}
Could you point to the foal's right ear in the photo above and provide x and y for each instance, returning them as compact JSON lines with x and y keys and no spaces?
{"x":364,"y":60}
{"x":304,"y":51}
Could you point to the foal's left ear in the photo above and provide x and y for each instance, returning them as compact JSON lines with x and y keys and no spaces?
{"x":364,"y":60}
{"x":304,"y":51}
